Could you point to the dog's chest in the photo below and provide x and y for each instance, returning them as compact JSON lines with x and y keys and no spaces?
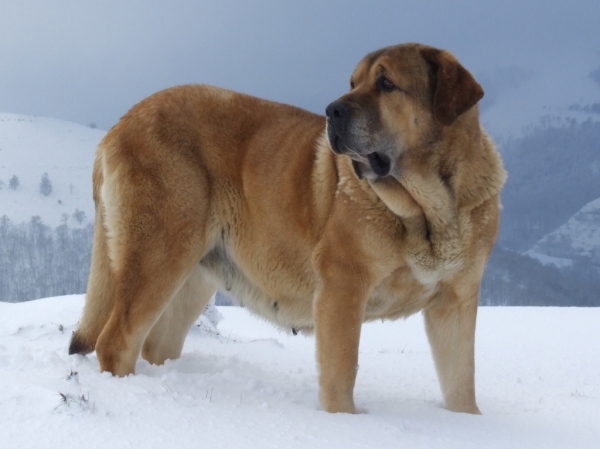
{"x":401,"y":294}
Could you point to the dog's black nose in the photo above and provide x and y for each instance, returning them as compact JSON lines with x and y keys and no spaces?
{"x":337,"y":112}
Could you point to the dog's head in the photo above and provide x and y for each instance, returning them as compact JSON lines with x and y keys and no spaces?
{"x":400,"y":100}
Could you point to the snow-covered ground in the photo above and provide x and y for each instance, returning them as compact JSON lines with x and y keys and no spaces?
{"x":246,"y":385}
{"x":31,"y":146}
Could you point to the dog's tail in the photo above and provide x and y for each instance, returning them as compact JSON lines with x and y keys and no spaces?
{"x":100,"y":289}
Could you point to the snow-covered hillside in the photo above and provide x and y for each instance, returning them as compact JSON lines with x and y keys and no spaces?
{"x":249,"y":386}
{"x":578,"y":238}
{"x":32,"y":146}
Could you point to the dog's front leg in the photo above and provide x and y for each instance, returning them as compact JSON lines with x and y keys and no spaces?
{"x":339,"y":306}
{"x":450,"y":325}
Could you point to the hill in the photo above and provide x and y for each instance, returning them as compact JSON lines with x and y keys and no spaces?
{"x":32,"y":146}
{"x":553,"y":171}
{"x":546,"y":250}
{"x":577,"y":239}
{"x":45,"y":237}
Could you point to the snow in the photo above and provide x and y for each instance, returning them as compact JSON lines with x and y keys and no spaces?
{"x":32,"y":146}
{"x":549,"y":260}
{"x":246,"y":384}
{"x":578,"y":237}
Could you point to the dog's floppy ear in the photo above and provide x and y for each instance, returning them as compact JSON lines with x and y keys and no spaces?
{"x":455,"y":89}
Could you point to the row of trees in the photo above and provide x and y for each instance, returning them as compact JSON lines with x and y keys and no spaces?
{"x":513,"y":279}
{"x":37,"y":261}
{"x":45,"y":187}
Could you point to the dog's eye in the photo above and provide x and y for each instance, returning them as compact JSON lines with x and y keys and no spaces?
{"x":351,"y":84}
{"x":385,"y":84}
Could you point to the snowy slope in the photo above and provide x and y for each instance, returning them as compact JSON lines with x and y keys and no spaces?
{"x":578,"y":237}
{"x":250,"y":386}
{"x":32,"y":146}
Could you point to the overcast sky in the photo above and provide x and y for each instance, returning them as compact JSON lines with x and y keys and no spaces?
{"x":89,"y":62}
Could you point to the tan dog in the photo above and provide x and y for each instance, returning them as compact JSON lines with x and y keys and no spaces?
{"x":198,"y":187}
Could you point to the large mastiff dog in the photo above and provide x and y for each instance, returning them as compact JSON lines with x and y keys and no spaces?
{"x":198,"y":187}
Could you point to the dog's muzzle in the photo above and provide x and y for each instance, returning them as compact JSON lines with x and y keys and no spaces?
{"x":339,"y":115}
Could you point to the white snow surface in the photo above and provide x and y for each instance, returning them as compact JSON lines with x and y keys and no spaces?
{"x":248,"y":385}
{"x":31,"y":146}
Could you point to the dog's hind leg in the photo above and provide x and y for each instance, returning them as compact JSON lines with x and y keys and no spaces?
{"x":151,"y":273}
{"x":156,"y":212}
{"x":165,"y":340}
{"x":100,"y":288}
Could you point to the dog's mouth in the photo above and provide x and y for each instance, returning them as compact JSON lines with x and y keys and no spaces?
{"x":335,"y":145}
{"x":334,"y":139}
{"x":380,"y":165}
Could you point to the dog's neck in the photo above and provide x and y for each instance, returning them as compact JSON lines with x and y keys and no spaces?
{"x":446,"y":182}
{"x":430,"y":202}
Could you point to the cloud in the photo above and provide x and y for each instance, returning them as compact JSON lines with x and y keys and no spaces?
{"x":91,"y":61}
{"x":501,"y":81}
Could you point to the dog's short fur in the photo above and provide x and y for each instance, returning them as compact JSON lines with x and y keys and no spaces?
{"x":198,"y":187}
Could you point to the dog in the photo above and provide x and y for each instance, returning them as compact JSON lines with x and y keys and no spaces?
{"x":387,"y":206}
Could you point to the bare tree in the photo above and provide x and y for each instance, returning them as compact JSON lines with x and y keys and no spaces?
{"x":14,"y":183}
{"x":45,"y":185}
{"x":79,"y":216}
